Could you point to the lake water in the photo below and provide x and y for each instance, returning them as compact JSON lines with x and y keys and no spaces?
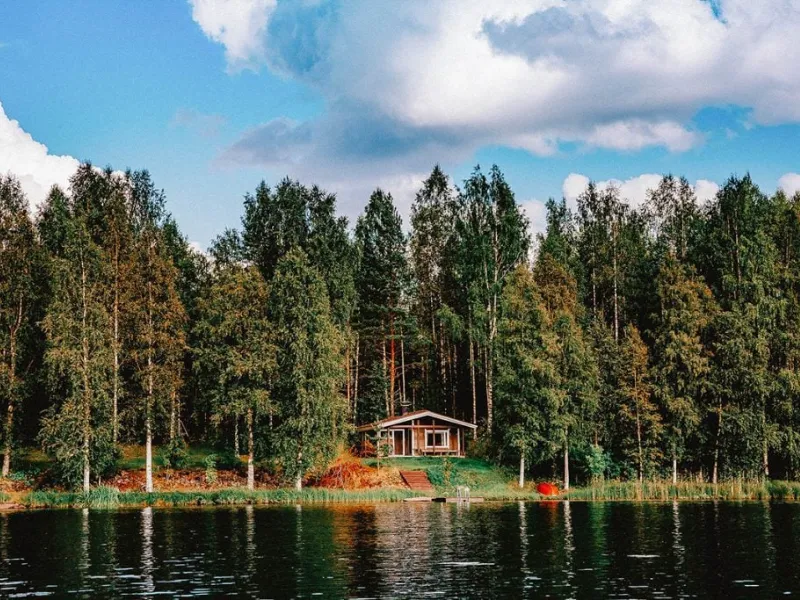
{"x":533,"y":550}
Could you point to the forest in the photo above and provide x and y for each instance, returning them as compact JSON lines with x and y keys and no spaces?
{"x":634,"y":343}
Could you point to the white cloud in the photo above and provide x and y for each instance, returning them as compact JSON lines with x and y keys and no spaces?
{"x":408,"y":84}
{"x":633,"y":190}
{"x":31,"y":162}
{"x":705,"y":190}
{"x":574,"y":185}
{"x":536,"y":211}
{"x":531,"y":74}
{"x":790,"y":183}
{"x":239,"y":25}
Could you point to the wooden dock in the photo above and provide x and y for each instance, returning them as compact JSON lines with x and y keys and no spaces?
{"x":445,"y":499}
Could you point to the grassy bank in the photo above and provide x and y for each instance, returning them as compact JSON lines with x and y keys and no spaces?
{"x":105,"y":497}
{"x":352,"y":480}
{"x":664,"y":491}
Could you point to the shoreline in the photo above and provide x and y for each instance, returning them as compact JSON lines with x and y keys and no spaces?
{"x":109,"y":498}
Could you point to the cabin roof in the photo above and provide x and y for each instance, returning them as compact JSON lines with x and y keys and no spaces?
{"x":417,"y":414}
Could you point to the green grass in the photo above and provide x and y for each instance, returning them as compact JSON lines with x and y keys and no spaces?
{"x":112,"y":498}
{"x":483,"y":478}
{"x":688,"y":490}
{"x":133,"y":457}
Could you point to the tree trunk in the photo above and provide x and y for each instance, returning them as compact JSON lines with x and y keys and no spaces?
{"x":251,"y":468}
{"x":522,"y":470}
{"x":115,"y":350}
{"x":355,"y":383}
{"x":87,"y":393}
{"x":12,"y":374}
{"x":616,"y":299}
{"x":472,"y":382}
{"x":674,"y":468}
{"x":148,"y":456}
{"x":236,"y":435}
{"x":487,"y":362}
{"x":385,"y":387}
{"x":639,"y":444}
{"x":392,"y":368}
{"x":173,"y":416}
{"x":566,"y":464}
{"x":403,"y":399}
{"x":453,"y":387}
{"x":298,"y":482}
{"x":715,"y":471}
{"x":149,"y":406}
{"x":348,"y":369}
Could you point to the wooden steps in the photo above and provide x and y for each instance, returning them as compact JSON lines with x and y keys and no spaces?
{"x":417,"y":480}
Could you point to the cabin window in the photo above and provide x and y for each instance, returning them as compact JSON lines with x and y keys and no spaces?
{"x":437,"y":439}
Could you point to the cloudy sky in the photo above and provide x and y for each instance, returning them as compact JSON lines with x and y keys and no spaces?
{"x":214,"y":95}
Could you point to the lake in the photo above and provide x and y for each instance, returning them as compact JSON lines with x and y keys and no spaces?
{"x":407,"y":550}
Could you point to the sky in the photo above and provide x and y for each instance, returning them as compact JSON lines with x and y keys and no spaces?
{"x":213,"y":96}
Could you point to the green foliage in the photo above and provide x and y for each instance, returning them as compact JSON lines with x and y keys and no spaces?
{"x":311,"y":411}
{"x":175,"y":455}
{"x":211,"y":469}
{"x":667,"y":334}
{"x":598,"y":462}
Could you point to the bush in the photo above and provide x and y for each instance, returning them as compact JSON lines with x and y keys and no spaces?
{"x":228,"y":461}
{"x":176,"y":455}
{"x":211,"y":469}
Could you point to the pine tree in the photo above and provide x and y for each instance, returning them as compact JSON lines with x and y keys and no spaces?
{"x":310,"y":411}
{"x":528,"y":399}
{"x":381,"y":281}
{"x":680,"y":357}
{"x":573,"y":359}
{"x":432,"y":228}
{"x":638,"y":413}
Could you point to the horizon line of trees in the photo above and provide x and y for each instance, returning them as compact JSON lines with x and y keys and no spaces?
{"x":658,"y":341}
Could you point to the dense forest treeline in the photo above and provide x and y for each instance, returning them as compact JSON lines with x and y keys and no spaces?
{"x":659,"y":341}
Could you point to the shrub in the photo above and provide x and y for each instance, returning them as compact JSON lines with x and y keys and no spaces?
{"x":228,"y":461}
{"x":211,"y":469}
{"x":176,"y":455}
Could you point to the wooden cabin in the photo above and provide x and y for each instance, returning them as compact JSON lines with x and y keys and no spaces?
{"x":419,"y":433}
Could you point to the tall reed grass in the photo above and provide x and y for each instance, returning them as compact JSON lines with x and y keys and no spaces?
{"x":736,"y":489}
{"x":112,"y":498}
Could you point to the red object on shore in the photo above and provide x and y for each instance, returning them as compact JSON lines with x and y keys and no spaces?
{"x":547,"y":489}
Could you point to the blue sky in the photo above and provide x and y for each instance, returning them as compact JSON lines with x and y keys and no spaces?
{"x":212,"y":96}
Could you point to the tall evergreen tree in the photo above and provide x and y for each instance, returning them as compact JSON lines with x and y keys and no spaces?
{"x":575,"y":364}
{"x":638,"y":414}
{"x":680,"y":357}
{"x":528,"y":400}
{"x":432,"y":229}
{"x":381,"y":281}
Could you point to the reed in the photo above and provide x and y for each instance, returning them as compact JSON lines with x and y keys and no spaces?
{"x":734,"y":489}
{"x":112,"y":498}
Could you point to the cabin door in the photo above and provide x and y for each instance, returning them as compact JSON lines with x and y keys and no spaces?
{"x":399,"y":438}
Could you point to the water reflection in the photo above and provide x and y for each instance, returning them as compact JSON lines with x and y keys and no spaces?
{"x":557,"y":550}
